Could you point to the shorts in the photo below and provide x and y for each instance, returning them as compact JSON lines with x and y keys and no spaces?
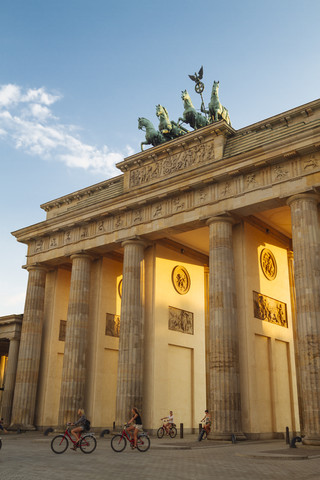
{"x":139,"y":427}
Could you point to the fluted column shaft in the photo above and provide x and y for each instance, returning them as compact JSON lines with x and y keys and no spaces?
{"x":306,"y":243}
{"x":224,"y":397}
{"x":24,"y":399}
{"x":130,"y":363}
{"x":11,"y":371}
{"x":74,"y":359}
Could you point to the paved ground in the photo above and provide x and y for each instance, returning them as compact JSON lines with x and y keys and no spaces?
{"x":28,"y":456}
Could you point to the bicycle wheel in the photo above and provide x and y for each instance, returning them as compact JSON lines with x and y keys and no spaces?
{"x":143,"y":443}
{"x":118,"y":443}
{"x":88,"y":444}
{"x":160,"y":432}
{"x":59,"y":444}
{"x":173,"y":432}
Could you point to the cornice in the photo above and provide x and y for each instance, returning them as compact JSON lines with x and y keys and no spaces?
{"x":80,"y":194}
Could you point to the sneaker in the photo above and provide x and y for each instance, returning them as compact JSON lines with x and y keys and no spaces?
{"x":73,"y":448}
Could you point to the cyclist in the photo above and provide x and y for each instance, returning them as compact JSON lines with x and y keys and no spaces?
{"x":207,"y":421}
{"x":169,"y":423}
{"x":79,"y":427}
{"x":135,"y":427}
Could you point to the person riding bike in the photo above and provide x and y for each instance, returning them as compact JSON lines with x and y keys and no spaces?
{"x":169,"y":423}
{"x":79,"y":427}
{"x":135,"y":427}
{"x":207,"y":422}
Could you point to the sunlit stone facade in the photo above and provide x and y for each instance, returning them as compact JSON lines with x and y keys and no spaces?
{"x":206,"y":249}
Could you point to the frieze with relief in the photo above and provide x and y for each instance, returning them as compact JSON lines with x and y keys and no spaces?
{"x":280,"y":172}
{"x":173,"y":163}
{"x":270,"y":310}
{"x":39,"y":245}
{"x":181,"y":321}
{"x":311,"y":162}
{"x":53,"y":242}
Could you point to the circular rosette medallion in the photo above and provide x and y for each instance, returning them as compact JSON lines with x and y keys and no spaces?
{"x":181,"y":280}
{"x":268,"y":264}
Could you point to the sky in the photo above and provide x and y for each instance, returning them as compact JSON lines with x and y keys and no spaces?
{"x":75,"y":75}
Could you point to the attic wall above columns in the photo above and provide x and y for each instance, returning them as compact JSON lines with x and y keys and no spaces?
{"x":175,"y":187}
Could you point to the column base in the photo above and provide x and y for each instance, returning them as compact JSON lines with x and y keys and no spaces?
{"x":227,"y":437}
{"x":311,"y":440}
{"x":22,"y":427}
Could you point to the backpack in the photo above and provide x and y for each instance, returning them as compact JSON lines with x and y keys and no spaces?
{"x":87,"y":425}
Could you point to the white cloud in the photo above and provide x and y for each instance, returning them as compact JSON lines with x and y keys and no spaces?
{"x":9,"y":94}
{"x":27,"y":121}
{"x":39,"y":95}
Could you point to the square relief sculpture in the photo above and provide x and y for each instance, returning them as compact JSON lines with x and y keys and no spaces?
{"x":270,"y":310}
{"x":112,"y":325}
{"x":180,"y":320}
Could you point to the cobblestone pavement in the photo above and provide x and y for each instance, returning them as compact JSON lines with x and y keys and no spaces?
{"x":29,"y":456}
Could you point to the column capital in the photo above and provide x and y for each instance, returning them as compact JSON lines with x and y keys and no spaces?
{"x":37,"y":266}
{"x":81,"y":255}
{"x":312,"y":197}
{"x":226,"y":218}
{"x":134,"y":241}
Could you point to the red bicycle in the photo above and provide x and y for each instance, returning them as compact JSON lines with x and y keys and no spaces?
{"x":119,"y":441}
{"x":87,"y":442}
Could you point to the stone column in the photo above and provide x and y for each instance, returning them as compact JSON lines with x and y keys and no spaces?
{"x":306,"y":251}
{"x":24,"y":399}
{"x":207,"y":331}
{"x":224,"y":396}
{"x":130,"y":363}
{"x":10,"y":380}
{"x":74,"y":360}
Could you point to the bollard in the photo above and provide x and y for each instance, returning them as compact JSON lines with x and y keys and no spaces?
{"x":114,"y":426}
{"x":181,"y":430}
{"x":200,"y":427}
{"x":287,"y":435}
{"x":233,"y":438}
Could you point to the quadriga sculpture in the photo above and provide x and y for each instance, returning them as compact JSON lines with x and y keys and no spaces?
{"x":153,"y":136}
{"x":169,"y":129}
{"x":216,"y":110}
{"x":190,"y":115}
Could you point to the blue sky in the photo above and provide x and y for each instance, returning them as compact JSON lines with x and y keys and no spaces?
{"x":76,"y":74}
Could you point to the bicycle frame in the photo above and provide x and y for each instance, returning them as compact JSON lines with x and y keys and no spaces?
{"x":124,"y":433}
{"x":67,"y":434}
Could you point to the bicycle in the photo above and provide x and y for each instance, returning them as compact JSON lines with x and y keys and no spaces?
{"x":119,"y":441}
{"x":87,"y":442}
{"x":172,"y":432}
{"x":203,"y":434}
